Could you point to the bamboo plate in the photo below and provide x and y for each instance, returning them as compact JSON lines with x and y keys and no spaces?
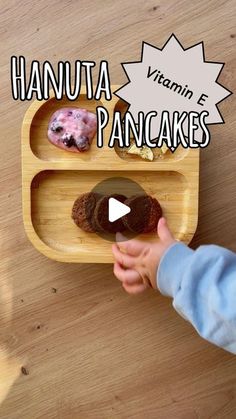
{"x":52,"y":179}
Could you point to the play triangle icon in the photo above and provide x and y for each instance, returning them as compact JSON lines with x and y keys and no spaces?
{"x":116,"y":209}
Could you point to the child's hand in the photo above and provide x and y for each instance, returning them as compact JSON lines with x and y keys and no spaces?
{"x":136,"y":262}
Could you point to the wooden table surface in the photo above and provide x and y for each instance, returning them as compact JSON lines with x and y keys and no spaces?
{"x":73,"y":343}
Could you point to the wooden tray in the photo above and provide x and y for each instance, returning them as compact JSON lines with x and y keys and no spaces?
{"x":52,"y":179}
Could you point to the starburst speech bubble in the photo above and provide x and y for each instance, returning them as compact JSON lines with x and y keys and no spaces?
{"x":173,"y":79}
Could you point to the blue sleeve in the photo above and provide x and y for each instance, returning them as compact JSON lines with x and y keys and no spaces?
{"x":202,"y":284}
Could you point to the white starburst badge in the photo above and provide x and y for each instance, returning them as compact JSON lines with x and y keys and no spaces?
{"x":175,"y":80}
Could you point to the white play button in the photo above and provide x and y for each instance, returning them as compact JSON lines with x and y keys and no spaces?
{"x":116,"y":209}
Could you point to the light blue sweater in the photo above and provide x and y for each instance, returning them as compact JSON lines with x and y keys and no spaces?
{"x":202,"y":284}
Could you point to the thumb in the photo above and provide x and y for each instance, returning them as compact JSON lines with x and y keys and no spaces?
{"x":163,"y":231}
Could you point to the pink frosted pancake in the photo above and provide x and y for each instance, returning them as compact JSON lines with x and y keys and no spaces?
{"x":72,"y":129}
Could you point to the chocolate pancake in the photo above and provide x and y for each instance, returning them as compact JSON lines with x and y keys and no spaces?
{"x":83,"y":211}
{"x":101,"y":215}
{"x":144,"y":215}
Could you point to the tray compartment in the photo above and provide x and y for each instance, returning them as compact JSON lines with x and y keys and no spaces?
{"x":179,"y":154}
{"x":53,"y":194}
{"x":39,"y":142}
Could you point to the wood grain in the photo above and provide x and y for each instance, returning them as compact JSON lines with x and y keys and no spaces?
{"x":88,"y":349}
